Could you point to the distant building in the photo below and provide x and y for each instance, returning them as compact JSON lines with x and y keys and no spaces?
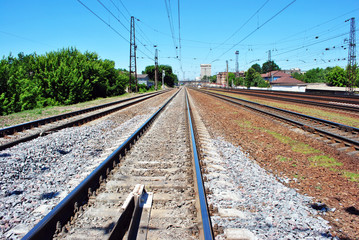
{"x":292,"y":70}
{"x":222,"y":78}
{"x":274,"y":75}
{"x":205,"y":70}
{"x":144,"y":79}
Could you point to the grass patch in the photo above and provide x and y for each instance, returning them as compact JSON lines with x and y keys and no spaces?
{"x":284,"y":159}
{"x":353,"y":177}
{"x":245,"y":124}
{"x":299,"y":147}
{"x":324,"y":161}
{"x":304,"y":148}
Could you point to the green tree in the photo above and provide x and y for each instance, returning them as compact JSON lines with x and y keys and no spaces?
{"x":213,"y":79}
{"x":170,"y":78}
{"x":60,"y":77}
{"x":250,"y":76}
{"x":315,"y":75}
{"x":254,"y":79}
{"x":257,"y":67}
{"x":269,"y":66}
{"x":298,"y":76}
{"x":337,"y":77}
{"x":231,"y":78}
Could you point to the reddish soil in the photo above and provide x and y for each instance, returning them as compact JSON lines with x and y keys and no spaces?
{"x":287,"y":152}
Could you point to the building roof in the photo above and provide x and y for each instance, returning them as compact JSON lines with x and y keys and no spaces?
{"x":275,"y":74}
{"x":142,"y":75}
{"x":288,"y":81}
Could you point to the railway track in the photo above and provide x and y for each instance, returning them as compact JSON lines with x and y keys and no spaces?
{"x":344,"y":137}
{"x":345,"y":104}
{"x":13,"y":135}
{"x":350,"y":99}
{"x":149,"y":187}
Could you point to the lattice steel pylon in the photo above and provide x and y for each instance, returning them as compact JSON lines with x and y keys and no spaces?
{"x":133,"y":65}
{"x":351,"y":68}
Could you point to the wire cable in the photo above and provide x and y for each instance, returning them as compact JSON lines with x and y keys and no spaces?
{"x":271,"y":18}
{"x":103,"y":21}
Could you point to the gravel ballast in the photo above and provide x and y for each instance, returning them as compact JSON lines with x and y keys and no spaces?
{"x":37,"y":175}
{"x":250,"y":198}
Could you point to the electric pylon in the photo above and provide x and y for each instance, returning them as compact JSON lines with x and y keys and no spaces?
{"x":351,"y":69}
{"x":133,"y":65}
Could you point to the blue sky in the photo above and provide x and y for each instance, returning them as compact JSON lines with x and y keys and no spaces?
{"x":306,"y":34}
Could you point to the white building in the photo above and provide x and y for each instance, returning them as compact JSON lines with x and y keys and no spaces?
{"x":205,"y":70}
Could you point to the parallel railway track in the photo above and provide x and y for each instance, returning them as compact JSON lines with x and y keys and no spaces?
{"x":341,"y":136}
{"x":13,"y":135}
{"x":340,"y":103}
{"x":159,"y":160}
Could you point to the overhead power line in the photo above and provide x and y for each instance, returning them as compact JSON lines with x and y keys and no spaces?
{"x":103,"y":21}
{"x":271,"y":18}
{"x":113,"y":29}
{"x":245,"y":23}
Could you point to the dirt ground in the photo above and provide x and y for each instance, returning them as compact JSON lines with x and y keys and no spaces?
{"x":307,"y":164}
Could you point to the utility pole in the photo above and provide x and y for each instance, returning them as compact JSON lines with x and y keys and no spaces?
{"x":156,"y":68}
{"x":227,"y":72}
{"x":270,"y":65}
{"x":237,"y":65}
{"x":351,"y":69}
{"x":163,"y":79}
{"x":133,"y":66}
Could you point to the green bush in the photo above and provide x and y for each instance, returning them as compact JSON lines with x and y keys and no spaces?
{"x":60,"y":77}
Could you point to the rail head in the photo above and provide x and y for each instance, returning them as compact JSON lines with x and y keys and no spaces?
{"x":204,"y":211}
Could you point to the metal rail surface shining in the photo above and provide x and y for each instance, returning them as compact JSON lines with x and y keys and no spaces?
{"x":338,"y":125}
{"x":81,"y":120}
{"x":206,"y":221}
{"x":63,"y":212}
{"x":287,"y":98}
{"x":20,"y":127}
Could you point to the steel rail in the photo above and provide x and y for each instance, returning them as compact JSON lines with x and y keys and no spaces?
{"x":206,"y":219}
{"x":349,"y":98}
{"x":305,"y":126}
{"x":63,"y":212}
{"x":79,"y":121}
{"x":28,"y":125}
{"x":320,"y":104}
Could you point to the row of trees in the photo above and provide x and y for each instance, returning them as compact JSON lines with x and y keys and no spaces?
{"x":61,"y":77}
{"x":170,"y":78}
{"x":333,"y":76}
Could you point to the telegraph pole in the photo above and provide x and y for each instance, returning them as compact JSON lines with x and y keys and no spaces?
{"x":351,"y":69}
{"x":270,"y":65}
{"x":133,"y":66}
{"x":237,"y":65}
{"x":163,"y":79}
{"x":156,"y":69}
{"x":227,"y":72}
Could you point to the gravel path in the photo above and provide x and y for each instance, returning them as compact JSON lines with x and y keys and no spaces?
{"x":36,"y":175}
{"x":263,"y":205}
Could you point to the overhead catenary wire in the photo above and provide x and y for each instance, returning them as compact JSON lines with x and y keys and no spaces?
{"x":108,"y":10}
{"x":244,"y":24}
{"x":103,"y":21}
{"x":170,"y":20}
{"x":113,"y":29}
{"x":259,"y":27}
